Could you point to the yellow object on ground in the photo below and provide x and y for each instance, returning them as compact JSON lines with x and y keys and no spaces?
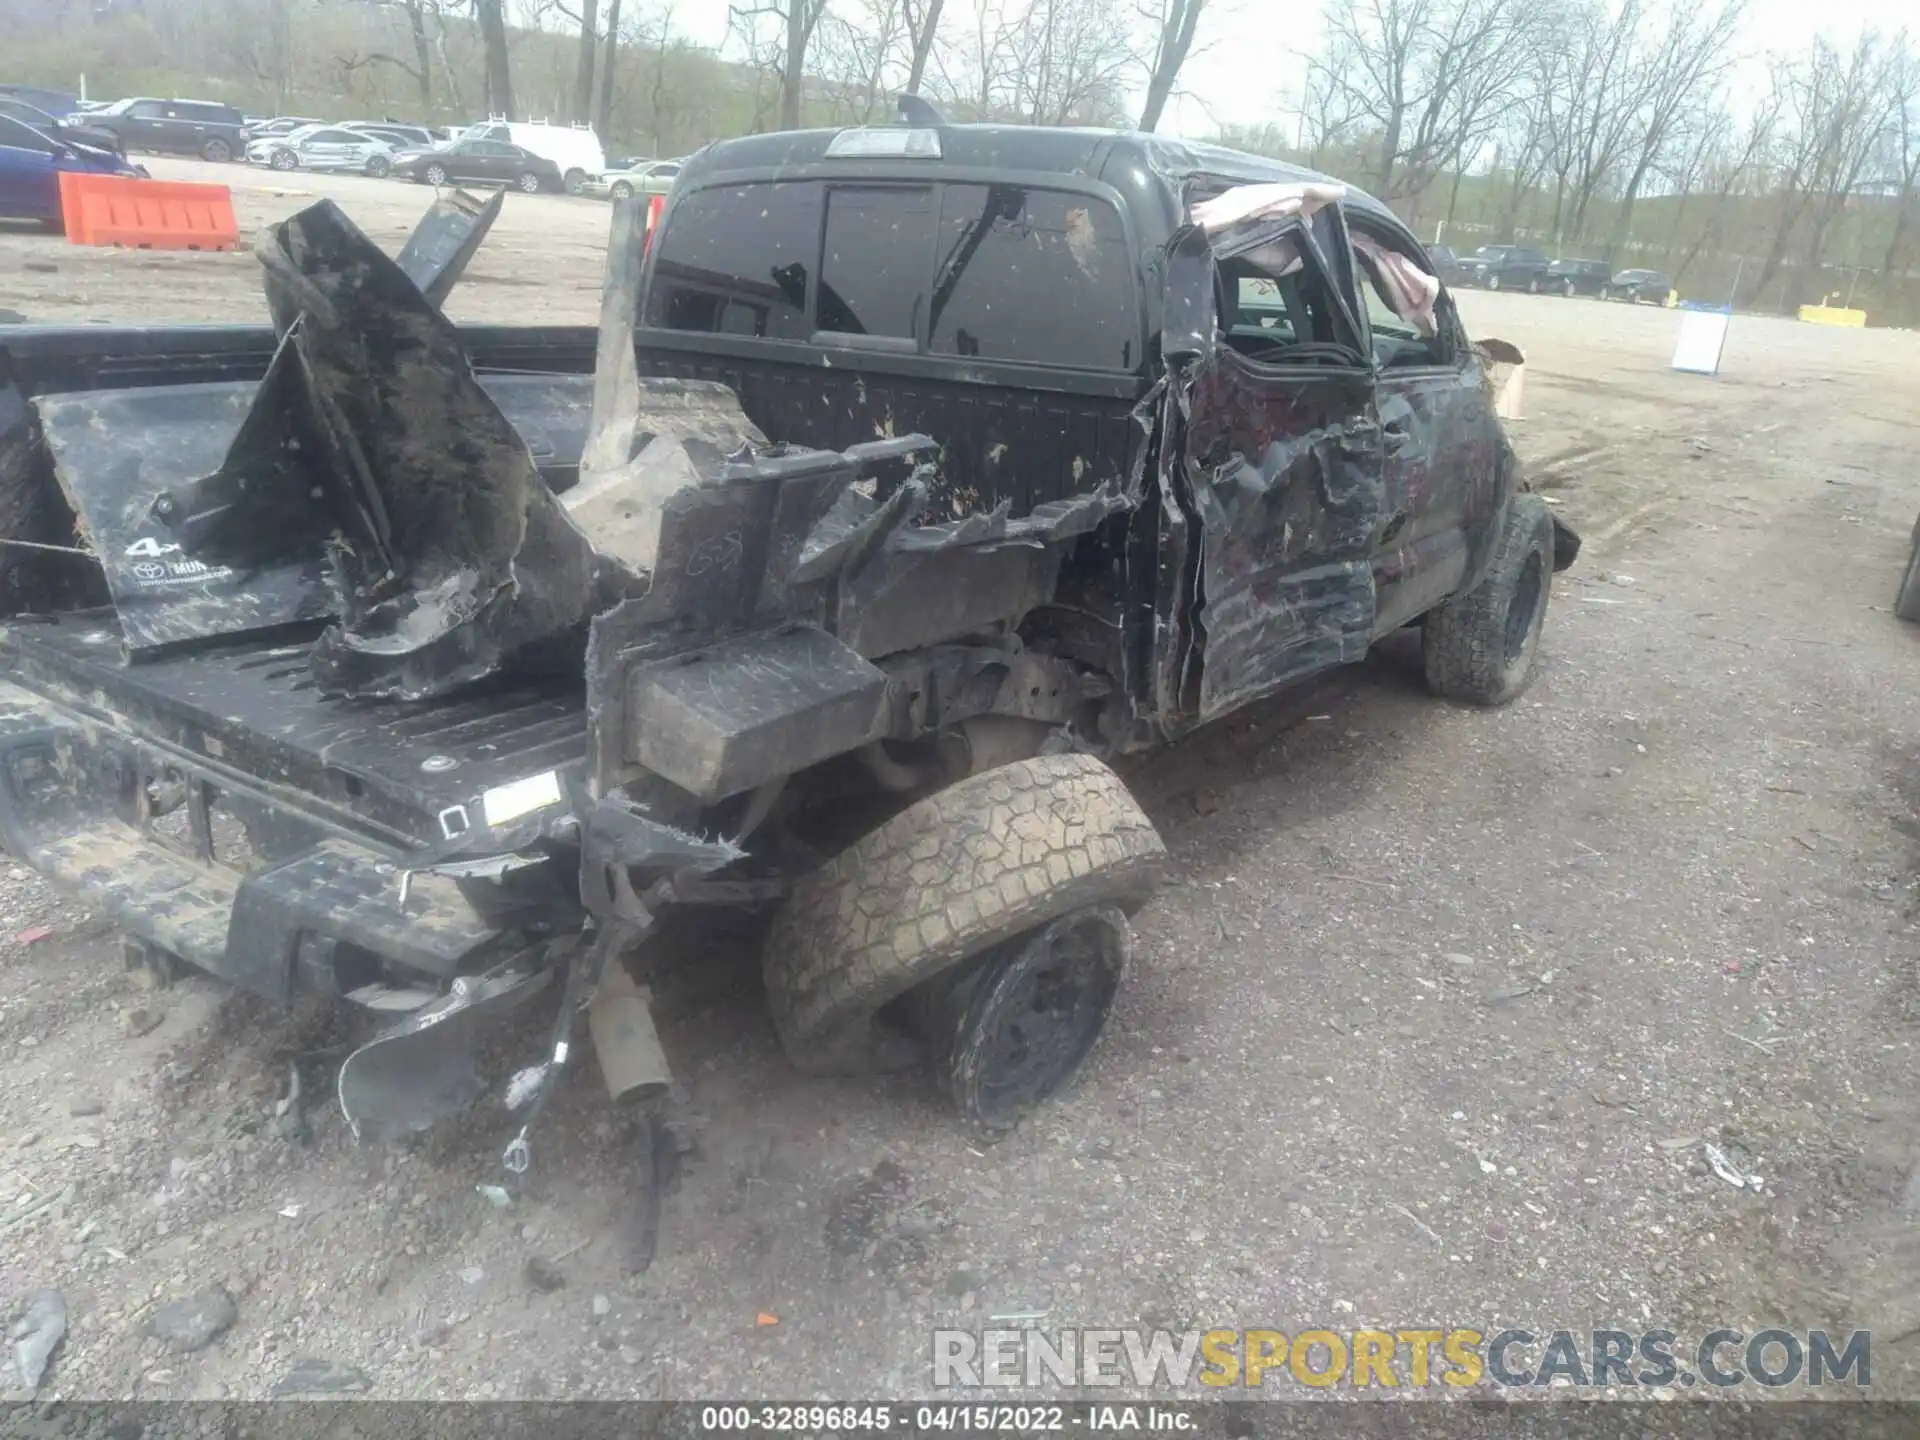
{"x":1833,"y":315}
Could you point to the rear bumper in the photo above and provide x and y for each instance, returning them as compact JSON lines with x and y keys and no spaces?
{"x":230,"y":877}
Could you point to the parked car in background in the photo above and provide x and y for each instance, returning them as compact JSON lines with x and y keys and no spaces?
{"x":324,"y":147}
{"x":53,"y":102}
{"x":175,"y":127}
{"x":278,"y":125}
{"x":63,"y":127}
{"x":574,"y":149}
{"x":30,"y":165}
{"x":401,"y":137}
{"x":481,"y":162}
{"x":1638,"y":285}
{"x":1505,"y":267}
{"x":1446,"y":263}
{"x":640,"y":177}
{"x":1578,"y":277}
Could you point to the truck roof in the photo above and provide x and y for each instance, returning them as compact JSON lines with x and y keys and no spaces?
{"x":1032,"y":148}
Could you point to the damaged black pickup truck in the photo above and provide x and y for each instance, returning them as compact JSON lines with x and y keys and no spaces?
{"x":428,"y":666}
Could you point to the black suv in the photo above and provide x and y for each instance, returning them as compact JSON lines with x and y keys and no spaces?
{"x":1637,"y":285}
{"x":1578,"y":277}
{"x":1505,"y":267}
{"x":175,"y":127}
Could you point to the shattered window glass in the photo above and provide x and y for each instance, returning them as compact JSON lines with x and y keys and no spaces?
{"x":873,"y":272}
{"x":736,"y":261}
{"x":1271,"y":300}
{"x":1400,"y":296}
{"x":1036,"y":275}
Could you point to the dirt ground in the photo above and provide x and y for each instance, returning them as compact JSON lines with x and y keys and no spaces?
{"x":1431,"y":1025}
{"x":540,"y":265}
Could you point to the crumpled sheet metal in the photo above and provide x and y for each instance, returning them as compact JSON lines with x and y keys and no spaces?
{"x":1277,"y":200}
{"x":459,"y":558}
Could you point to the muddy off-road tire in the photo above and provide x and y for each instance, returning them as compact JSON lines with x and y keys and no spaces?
{"x":1480,"y":646}
{"x":996,"y":856}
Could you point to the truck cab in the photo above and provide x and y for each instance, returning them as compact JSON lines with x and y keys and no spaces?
{"x":1332,"y":472}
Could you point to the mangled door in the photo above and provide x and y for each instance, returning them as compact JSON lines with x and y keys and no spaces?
{"x":1272,"y":454}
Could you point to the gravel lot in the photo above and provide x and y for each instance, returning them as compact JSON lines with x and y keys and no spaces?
{"x":1430,"y":1027}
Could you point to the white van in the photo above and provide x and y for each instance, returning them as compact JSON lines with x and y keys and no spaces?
{"x":574,"y":148}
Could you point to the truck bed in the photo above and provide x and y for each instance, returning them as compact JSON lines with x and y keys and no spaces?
{"x":216,"y":805}
{"x":251,"y":705}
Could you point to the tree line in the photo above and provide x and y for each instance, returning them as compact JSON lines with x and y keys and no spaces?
{"x":1637,"y":131}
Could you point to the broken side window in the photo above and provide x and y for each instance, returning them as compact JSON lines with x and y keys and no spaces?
{"x":1040,"y":276}
{"x":873,"y":269}
{"x":736,"y":261}
{"x":1271,"y":301}
{"x":1400,"y":295}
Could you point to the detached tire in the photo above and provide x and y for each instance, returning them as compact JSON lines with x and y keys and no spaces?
{"x":1480,"y":646}
{"x":1000,"y":855}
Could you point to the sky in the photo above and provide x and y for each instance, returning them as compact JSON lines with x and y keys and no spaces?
{"x":1252,"y":51}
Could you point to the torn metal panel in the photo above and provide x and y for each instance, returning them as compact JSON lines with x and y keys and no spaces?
{"x":423,"y":1068}
{"x":115,"y":451}
{"x":751,"y":710}
{"x":454,"y":559}
{"x":446,"y":239}
{"x":904,"y":599}
{"x":1286,"y":482}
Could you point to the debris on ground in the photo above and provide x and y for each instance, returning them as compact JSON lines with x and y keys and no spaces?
{"x":495,"y":1195}
{"x":195,"y":1322}
{"x":321,"y":1377}
{"x":33,"y":934}
{"x":139,"y":1020}
{"x":37,"y":1334}
{"x":545,"y":1276}
{"x":1728,"y":1171}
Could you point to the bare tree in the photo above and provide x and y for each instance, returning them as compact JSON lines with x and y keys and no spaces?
{"x":1836,"y":114}
{"x":499,"y":64}
{"x":922,"y":19}
{"x":1903,"y":146}
{"x":1680,"y":65}
{"x":783,"y":52}
{"x":603,"y":104}
{"x":1178,"y":21}
{"x":588,"y":62}
{"x":1427,"y":78}
{"x":420,"y":68}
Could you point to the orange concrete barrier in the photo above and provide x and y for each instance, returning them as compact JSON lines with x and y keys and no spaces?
{"x":146,"y":214}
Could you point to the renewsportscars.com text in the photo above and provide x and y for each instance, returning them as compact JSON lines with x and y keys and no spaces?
{"x":1414,"y":1357}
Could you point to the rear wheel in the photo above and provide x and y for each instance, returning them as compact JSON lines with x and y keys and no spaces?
{"x":1533,"y":285}
{"x":574,"y":181}
{"x":436,"y":174}
{"x":621,"y":190}
{"x":285,"y":160}
{"x":1479,"y":647}
{"x":991,"y":912}
{"x":1493,"y":282}
{"x":216,"y":150}
{"x":1567,"y":289}
{"x":529,"y":183}
{"x":379,"y":167}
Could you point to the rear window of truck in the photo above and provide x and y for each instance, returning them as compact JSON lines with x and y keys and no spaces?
{"x":991,"y":272}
